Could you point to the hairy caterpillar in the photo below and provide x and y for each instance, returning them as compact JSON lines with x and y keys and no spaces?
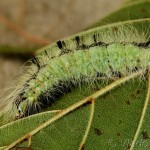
{"x":84,"y":57}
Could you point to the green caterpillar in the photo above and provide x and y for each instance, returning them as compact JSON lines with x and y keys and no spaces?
{"x":84,"y":57}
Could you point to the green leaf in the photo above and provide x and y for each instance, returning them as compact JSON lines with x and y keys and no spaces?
{"x":134,"y":1}
{"x":134,"y":10}
{"x":23,"y":52}
{"x":116,"y":117}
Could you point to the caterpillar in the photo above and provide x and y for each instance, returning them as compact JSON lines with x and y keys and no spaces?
{"x":65,"y":64}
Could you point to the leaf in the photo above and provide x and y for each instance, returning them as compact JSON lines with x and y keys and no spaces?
{"x":134,"y":1}
{"x":27,"y":52}
{"x":110,"y":122}
{"x":113,"y":126}
{"x":134,"y":10}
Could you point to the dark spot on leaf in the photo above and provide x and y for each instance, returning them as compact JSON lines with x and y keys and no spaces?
{"x":99,"y":116}
{"x":138,"y":91}
{"x":98,"y":131}
{"x":118,"y":133}
{"x":120,"y":122}
{"x":143,"y":10}
{"x":145,"y":135}
{"x":90,"y":101}
{"x":133,"y":96}
{"x":128,"y":102}
{"x":82,"y":147}
{"x":26,"y":139}
{"x":128,"y":146}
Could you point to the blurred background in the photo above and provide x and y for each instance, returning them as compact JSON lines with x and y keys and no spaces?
{"x":26,"y":25}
